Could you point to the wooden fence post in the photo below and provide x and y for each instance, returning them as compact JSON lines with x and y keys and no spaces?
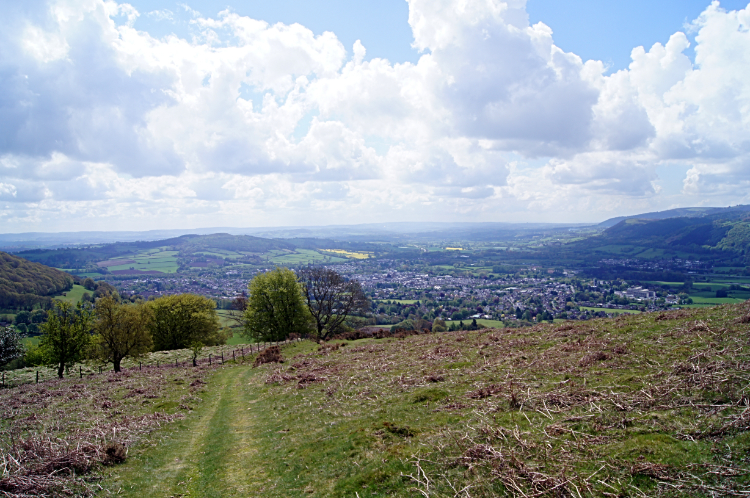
{"x":233,"y":358}
{"x":209,"y":359}
{"x":140,"y":367}
{"x":37,"y":376}
{"x":80,"y":372}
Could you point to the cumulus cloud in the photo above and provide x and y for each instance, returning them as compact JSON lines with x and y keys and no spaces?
{"x":272,"y":122}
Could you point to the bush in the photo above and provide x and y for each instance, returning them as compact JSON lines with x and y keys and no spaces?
{"x":269,"y":355}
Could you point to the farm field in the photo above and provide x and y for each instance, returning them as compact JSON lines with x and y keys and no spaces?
{"x":348,"y":254}
{"x":300,"y":256}
{"x":609,"y":310}
{"x":74,"y":295}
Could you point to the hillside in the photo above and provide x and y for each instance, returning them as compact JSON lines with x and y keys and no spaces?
{"x":24,"y":283}
{"x":720,"y":232}
{"x":646,"y":405}
{"x":691,"y":212}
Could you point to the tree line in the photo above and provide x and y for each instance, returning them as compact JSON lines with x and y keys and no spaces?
{"x":315,"y":302}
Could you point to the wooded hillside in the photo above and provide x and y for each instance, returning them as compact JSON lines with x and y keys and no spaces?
{"x":24,"y":283}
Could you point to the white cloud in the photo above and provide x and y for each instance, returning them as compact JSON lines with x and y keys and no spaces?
{"x":276,"y":125}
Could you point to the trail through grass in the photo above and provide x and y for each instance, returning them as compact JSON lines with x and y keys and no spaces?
{"x":209,"y":454}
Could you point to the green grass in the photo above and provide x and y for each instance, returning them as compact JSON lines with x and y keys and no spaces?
{"x":300,"y":256}
{"x":209,"y":454}
{"x":631,"y":406}
{"x":612,"y":311}
{"x":487,"y":323}
{"x":74,"y":295}
{"x":546,"y":404}
{"x":238,"y":339}
{"x":31,"y":341}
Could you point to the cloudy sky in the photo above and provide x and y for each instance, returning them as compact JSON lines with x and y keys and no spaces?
{"x":161,"y":114}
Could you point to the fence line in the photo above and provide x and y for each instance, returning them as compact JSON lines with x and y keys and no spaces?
{"x":218,"y":359}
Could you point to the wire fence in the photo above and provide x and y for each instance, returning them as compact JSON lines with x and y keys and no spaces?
{"x":183,"y":360}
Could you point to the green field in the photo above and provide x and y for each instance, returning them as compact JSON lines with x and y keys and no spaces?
{"x":300,"y":256}
{"x":150,"y":260}
{"x":713,"y":301}
{"x":493,"y":324}
{"x":74,"y":295}
{"x":31,"y":341}
{"x":612,"y":311}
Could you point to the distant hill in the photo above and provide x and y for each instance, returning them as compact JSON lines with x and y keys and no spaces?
{"x":690,"y":212}
{"x":24,"y":283}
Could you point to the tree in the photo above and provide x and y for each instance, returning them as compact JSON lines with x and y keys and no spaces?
{"x":182,"y":319}
{"x":22,"y":317}
{"x":66,"y":335}
{"x":331,"y":298}
{"x":275,"y":307}
{"x":237,"y":310}
{"x":10,"y":345}
{"x":38,"y":316}
{"x":121,"y":330}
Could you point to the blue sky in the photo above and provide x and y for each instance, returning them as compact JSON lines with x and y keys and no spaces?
{"x":162,"y":114}
{"x":605,"y":30}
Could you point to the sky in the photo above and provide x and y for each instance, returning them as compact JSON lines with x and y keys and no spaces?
{"x":160,"y":114}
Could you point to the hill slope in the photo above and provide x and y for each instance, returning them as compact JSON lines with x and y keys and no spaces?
{"x":692,"y":212}
{"x":647,"y":405}
{"x":24,"y":283}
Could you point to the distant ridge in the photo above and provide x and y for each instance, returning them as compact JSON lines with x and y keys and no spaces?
{"x":690,"y":212}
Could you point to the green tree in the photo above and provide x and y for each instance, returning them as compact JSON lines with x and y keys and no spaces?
{"x":182,"y":319}
{"x":10,"y":345}
{"x":22,"y":317}
{"x":121,"y":330}
{"x":331,"y":299}
{"x":275,"y":307}
{"x":66,"y":335}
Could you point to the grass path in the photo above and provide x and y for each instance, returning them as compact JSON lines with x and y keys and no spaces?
{"x":208,"y":453}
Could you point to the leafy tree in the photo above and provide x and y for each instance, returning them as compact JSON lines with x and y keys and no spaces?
{"x":275,"y":307}
{"x":89,"y":283}
{"x":331,"y":298}
{"x":38,"y":316}
{"x":10,"y":345}
{"x":439,"y":325}
{"x":66,"y":335}
{"x":121,"y":330}
{"x":22,"y":317}
{"x":182,"y":319}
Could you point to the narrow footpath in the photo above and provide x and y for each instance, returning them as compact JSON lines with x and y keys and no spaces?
{"x":209,"y":454}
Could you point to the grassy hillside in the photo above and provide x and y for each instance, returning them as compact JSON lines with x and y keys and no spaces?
{"x":641,"y":405}
{"x":24,"y":283}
